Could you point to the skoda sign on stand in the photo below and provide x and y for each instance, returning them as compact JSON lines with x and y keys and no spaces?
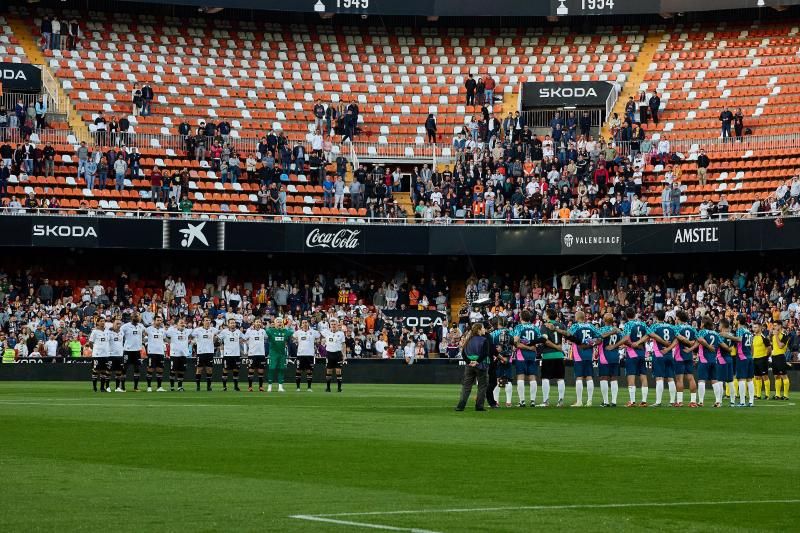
{"x":565,"y":93}
{"x":65,"y":232}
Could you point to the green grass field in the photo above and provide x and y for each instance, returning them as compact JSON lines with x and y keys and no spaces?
{"x":393,"y":458}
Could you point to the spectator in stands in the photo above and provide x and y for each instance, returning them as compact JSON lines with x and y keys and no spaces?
{"x":155,"y":184}
{"x":82,"y":153}
{"x":91,"y":173}
{"x":317,"y":143}
{"x":19,"y":114}
{"x":41,"y":111}
{"x":738,"y":124}
{"x":663,"y":149}
{"x":147,"y":99}
{"x":331,"y":116}
{"x":489,"y":85}
{"x":102,"y":171}
{"x":120,"y":169}
{"x":702,"y":167}
{"x":134,"y":158}
{"x":585,"y":123}
{"x":338,"y":193}
{"x":470,"y":85}
{"x":644,"y":105}
{"x":55,"y":36}
{"x":46,"y":28}
{"x":100,"y":128}
{"x":655,"y":106}
{"x":5,"y":175}
{"x":726,"y":118}
{"x":234,"y":167}
{"x":3,"y":117}
{"x":185,"y":207}
{"x":137,"y":102}
{"x":430,"y":128}
{"x":318,"y":112}
{"x":299,"y":156}
{"x":630,"y":110}
{"x":73,"y":34}
{"x":480,"y":91}
{"x":327,"y":192}
{"x":675,"y":199}
{"x":722,"y":207}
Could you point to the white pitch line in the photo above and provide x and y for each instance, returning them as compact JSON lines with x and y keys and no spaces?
{"x":551,"y":507}
{"x":110,"y":404}
{"x":314,"y":518}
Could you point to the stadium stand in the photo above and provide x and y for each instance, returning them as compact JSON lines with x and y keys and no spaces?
{"x":10,"y":51}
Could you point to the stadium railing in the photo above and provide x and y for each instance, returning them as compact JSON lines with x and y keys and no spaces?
{"x":54,"y":136}
{"x":441,"y":221}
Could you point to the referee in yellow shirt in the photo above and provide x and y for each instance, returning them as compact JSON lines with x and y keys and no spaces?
{"x":761,"y":350}
{"x":780,"y":368}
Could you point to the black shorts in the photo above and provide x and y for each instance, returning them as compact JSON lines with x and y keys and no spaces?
{"x":99,"y":364}
{"x":334,"y":360}
{"x":257,"y":362}
{"x":132,"y":358}
{"x":116,"y":364}
{"x":205,"y":359}
{"x":155,"y":360}
{"x":761,"y":366}
{"x":231,"y":363}
{"x":779,"y":364}
{"x":177,"y":364}
{"x":552,"y":369}
{"x":305,"y":362}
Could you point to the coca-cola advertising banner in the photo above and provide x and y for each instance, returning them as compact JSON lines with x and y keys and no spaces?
{"x":336,"y":239}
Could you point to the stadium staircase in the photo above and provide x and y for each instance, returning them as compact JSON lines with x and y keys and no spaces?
{"x":636,"y":77}
{"x":30,"y":45}
{"x":458,"y":297}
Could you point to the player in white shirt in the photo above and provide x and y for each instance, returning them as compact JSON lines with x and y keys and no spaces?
{"x":255,"y":339}
{"x":132,"y":334}
{"x":204,"y":342}
{"x":178,"y":353}
{"x":156,"y":349}
{"x":98,"y":342}
{"x":115,"y":351}
{"x":231,"y":339}
{"x":306,"y":340}
{"x":334,"y":339}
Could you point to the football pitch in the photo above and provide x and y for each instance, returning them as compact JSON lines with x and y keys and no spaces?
{"x":388,"y":458}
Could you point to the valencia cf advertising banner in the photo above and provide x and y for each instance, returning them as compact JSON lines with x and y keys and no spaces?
{"x":205,"y":235}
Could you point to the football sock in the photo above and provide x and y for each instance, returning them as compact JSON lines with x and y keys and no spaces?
{"x":632,"y":393}
{"x":778,"y":386}
{"x":328,"y":383}
{"x":309,"y":379}
{"x":159,"y":380}
{"x":732,"y":392}
{"x":208,"y":383}
{"x":180,"y":383}
{"x":135,"y":382}
{"x":604,"y":390}
{"x":767,"y":386}
{"x":260,"y":382}
{"x":751,"y":391}
{"x":197,"y":382}
{"x":589,"y":390}
{"x":545,"y":390}
{"x":736,"y":385}
{"x":785,"y":386}
{"x":701,"y":391}
{"x":757,"y":383}
{"x":297,"y":379}
{"x":672,"y":391}
{"x":224,"y":382}
{"x":496,"y":394}
{"x":116,"y":383}
{"x":149,"y":380}
{"x":719,"y":389}
{"x":521,"y":389}
{"x":533,"y":386}
{"x":339,"y":383}
{"x":645,"y":390}
{"x":742,"y":389}
{"x":94,"y":384}
{"x":614,"y":391}
{"x":562,"y":388}
{"x":659,"y":390}
{"x":250,"y":381}
{"x":509,"y":392}
{"x":579,"y":391}
{"x":680,"y":397}
{"x":171,"y":382}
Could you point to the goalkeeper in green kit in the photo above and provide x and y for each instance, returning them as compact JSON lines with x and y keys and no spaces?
{"x":278,"y":337}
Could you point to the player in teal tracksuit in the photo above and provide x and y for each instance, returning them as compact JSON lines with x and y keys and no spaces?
{"x":665,"y":344}
{"x":526,"y":336}
{"x":684,"y":359}
{"x":501,"y":339}
{"x":635,"y":333}
{"x":709,"y":344}
{"x":585,"y":337}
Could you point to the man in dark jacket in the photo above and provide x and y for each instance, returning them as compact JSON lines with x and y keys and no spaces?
{"x":655,"y":104}
{"x":147,"y":99}
{"x":477,"y":357}
{"x":585,"y":124}
{"x":702,"y":166}
{"x":726,"y":118}
{"x":469,"y":85}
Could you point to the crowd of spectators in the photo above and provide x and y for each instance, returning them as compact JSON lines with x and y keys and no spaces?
{"x":40,"y":316}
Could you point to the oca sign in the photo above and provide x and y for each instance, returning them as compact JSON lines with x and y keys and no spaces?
{"x":19,"y":77}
